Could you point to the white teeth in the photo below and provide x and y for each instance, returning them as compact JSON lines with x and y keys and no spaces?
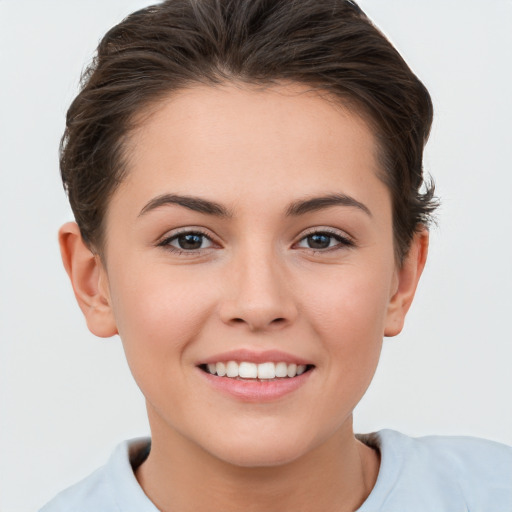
{"x":301,"y":369}
{"x":232,"y":369}
{"x":221,"y":369}
{"x":246,"y":370}
{"x":291,"y":371}
{"x":281,"y":370}
{"x":266,"y":371}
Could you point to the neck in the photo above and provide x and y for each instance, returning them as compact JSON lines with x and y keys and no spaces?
{"x":179,"y":475}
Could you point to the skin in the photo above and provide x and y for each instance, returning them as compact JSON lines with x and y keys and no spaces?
{"x":256,"y":283}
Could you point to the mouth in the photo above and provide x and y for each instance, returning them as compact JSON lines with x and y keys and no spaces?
{"x":264,"y":372}
{"x":256,"y":376}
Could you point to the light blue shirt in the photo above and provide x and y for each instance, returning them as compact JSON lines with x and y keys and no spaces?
{"x":427,"y":474}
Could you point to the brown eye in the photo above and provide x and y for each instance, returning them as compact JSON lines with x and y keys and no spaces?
{"x":324,"y":240}
{"x":190,"y":241}
{"x":319,"y":241}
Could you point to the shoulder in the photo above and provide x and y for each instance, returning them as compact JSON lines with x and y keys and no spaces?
{"x":111,"y":487}
{"x":470,"y":455}
{"x":88,"y":494}
{"x":444,"y":473}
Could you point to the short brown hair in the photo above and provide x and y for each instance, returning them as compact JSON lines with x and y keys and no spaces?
{"x":330,"y":45}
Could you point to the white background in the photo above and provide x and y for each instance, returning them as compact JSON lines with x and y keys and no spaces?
{"x":66,"y":397}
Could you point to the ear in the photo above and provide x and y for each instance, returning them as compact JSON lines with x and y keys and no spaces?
{"x":407,"y":278}
{"x":89,"y":280}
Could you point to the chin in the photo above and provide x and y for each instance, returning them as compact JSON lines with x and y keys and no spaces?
{"x":252,"y":459}
{"x":261,"y":451}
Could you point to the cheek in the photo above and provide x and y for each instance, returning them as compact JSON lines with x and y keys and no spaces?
{"x":158,"y":312}
{"x":351,"y":305}
{"x":344,"y":314}
{"x":348,"y":318}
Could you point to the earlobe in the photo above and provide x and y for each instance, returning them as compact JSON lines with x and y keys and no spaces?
{"x":89,"y":280}
{"x":408,"y":276}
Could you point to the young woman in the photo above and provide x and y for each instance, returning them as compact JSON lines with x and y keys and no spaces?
{"x":252,"y":220}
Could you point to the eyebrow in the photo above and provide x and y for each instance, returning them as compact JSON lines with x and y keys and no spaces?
{"x":296,"y":208}
{"x":319,"y":203}
{"x":192,"y":203}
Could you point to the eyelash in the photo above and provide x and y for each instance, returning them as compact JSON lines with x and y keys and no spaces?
{"x":166,"y":242}
{"x":343,"y":241}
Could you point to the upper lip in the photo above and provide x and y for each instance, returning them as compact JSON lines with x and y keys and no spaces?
{"x":253,"y":356}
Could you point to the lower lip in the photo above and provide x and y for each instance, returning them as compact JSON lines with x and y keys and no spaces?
{"x":257,"y":390}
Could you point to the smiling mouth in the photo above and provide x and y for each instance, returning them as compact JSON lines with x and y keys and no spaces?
{"x":251,"y":371}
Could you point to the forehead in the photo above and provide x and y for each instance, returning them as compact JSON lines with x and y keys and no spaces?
{"x":238,"y":140}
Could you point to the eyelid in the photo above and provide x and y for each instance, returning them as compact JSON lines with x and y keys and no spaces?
{"x":164,"y":241}
{"x":345,"y":240}
{"x":343,"y":237}
{"x":325,"y":229}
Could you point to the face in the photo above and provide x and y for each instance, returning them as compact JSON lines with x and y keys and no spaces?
{"x":251,"y":229}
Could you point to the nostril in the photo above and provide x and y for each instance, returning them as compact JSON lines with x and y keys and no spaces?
{"x":255,"y":319}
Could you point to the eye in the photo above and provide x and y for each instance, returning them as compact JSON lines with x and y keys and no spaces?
{"x":187,"y":241}
{"x":323,"y":240}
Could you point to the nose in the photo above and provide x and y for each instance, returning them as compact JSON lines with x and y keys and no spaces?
{"x":258,"y":294}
